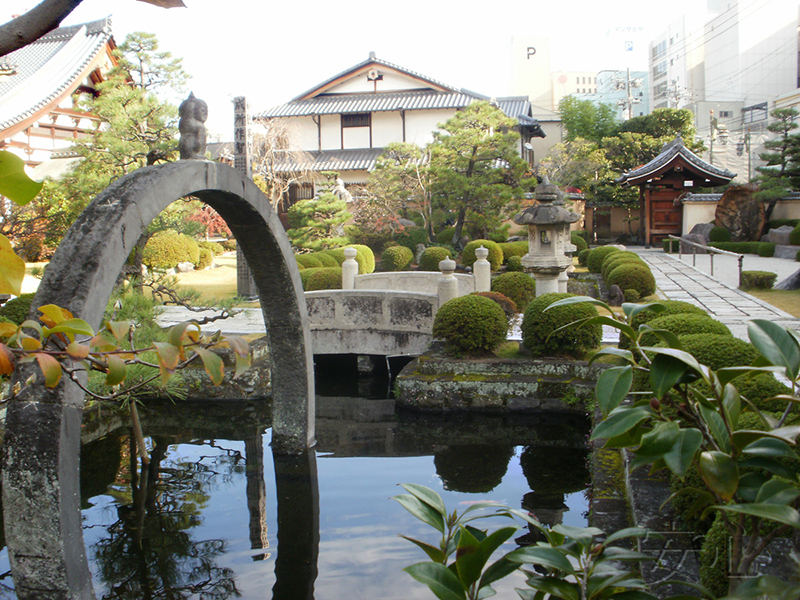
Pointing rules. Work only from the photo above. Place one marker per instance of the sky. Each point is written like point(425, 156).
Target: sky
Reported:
point(272, 51)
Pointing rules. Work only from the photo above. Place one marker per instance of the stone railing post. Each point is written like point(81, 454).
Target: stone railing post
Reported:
point(349, 269)
point(448, 284)
point(482, 270)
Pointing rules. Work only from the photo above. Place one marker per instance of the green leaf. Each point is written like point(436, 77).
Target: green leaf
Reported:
point(720, 473)
point(117, 370)
point(71, 327)
point(630, 532)
point(626, 355)
point(776, 345)
point(665, 372)
point(434, 553)
point(51, 369)
point(680, 456)
point(768, 446)
point(421, 510)
point(631, 310)
point(777, 491)
point(119, 329)
point(497, 571)
point(717, 427)
point(583, 535)
point(612, 387)
point(660, 440)
point(620, 421)
point(542, 555)
point(212, 364)
point(469, 558)
point(769, 464)
point(663, 334)
point(12, 268)
point(441, 581)
point(556, 587)
point(426, 495)
point(772, 512)
point(14, 183)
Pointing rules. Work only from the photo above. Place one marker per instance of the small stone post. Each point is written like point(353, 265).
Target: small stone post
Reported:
point(563, 280)
point(349, 269)
point(482, 270)
point(448, 284)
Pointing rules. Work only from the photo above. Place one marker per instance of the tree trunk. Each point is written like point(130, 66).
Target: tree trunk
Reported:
point(35, 23)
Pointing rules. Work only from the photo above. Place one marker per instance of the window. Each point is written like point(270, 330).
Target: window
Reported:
point(725, 114)
point(356, 120)
point(577, 80)
point(659, 49)
point(756, 112)
point(296, 191)
point(660, 70)
point(660, 91)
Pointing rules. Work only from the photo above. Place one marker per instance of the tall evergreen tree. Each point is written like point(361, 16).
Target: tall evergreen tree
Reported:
point(774, 178)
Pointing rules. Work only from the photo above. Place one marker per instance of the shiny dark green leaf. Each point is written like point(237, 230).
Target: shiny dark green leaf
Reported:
point(720, 473)
point(612, 387)
point(776, 345)
point(441, 581)
point(620, 421)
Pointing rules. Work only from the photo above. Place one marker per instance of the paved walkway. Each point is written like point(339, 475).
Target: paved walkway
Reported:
point(679, 280)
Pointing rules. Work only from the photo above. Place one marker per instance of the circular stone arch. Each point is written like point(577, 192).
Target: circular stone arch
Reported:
point(41, 496)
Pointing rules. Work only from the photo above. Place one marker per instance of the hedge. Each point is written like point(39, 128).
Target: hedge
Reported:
point(215, 247)
point(633, 276)
point(445, 236)
point(794, 236)
point(518, 286)
point(775, 223)
point(507, 304)
point(309, 261)
point(396, 258)
point(684, 324)
point(326, 278)
point(514, 249)
point(495, 257)
point(618, 257)
point(745, 247)
point(471, 324)
point(719, 351)
point(365, 258)
point(206, 258)
point(759, 280)
point(539, 327)
point(583, 256)
point(413, 236)
point(719, 234)
point(578, 241)
point(514, 264)
point(433, 255)
point(17, 309)
point(165, 249)
point(325, 259)
point(597, 255)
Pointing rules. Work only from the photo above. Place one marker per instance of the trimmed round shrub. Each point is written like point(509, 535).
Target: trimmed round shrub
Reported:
point(17, 309)
point(336, 253)
point(583, 257)
point(514, 264)
point(309, 261)
point(760, 280)
point(413, 236)
point(326, 278)
point(165, 249)
point(631, 295)
point(671, 307)
point(215, 247)
point(432, 256)
point(305, 275)
point(445, 236)
point(766, 249)
point(760, 389)
point(396, 258)
point(714, 558)
point(326, 260)
point(794, 236)
point(578, 241)
point(633, 276)
point(617, 258)
point(514, 249)
point(538, 327)
point(718, 351)
point(470, 325)
point(495, 257)
point(365, 258)
point(206, 258)
point(506, 303)
point(719, 234)
point(684, 324)
point(597, 255)
point(518, 286)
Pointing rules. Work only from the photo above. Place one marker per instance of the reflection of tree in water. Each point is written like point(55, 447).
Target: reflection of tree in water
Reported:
point(555, 470)
point(471, 468)
point(149, 552)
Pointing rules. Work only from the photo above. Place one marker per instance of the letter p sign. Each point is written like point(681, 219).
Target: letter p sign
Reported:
point(531, 51)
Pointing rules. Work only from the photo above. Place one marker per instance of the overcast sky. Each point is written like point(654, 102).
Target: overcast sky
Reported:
point(271, 51)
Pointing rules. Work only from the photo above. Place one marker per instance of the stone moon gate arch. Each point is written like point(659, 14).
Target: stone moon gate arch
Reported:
point(43, 427)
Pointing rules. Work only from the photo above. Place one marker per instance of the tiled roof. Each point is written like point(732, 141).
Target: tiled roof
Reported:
point(668, 154)
point(335, 160)
point(48, 67)
point(700, 197)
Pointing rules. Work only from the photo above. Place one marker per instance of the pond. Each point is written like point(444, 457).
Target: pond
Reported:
point(217, 516)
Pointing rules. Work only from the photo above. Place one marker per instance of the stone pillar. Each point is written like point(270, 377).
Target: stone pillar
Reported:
point(482, 270)
point(563, 278)
point(349, 269)
point(448, 284)
point(546, 283)
point(245, 284)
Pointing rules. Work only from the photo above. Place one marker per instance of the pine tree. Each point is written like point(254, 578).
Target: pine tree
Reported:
point(774, 179)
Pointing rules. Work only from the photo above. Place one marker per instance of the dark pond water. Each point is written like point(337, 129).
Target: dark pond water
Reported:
point(217, 516)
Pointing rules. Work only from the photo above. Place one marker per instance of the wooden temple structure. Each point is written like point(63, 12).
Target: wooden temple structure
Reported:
point(661, 183)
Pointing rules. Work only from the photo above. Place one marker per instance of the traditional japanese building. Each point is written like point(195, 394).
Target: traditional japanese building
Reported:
point(661, 183)
point(39, 89)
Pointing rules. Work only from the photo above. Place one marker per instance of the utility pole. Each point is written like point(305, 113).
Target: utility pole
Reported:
point(627, 84)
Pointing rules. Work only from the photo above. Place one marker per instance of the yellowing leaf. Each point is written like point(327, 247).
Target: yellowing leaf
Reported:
point(71, 327)
point(12, 269)
point(117, 370)
point(168, 357)
point(213, 365)
point(102, 342)
point(119, 329)
point(242, 364)
point(6, 360)
point(51, 369)
point(238, 345)
point(14, 183)
point(28, 343)
point(52, 315)
point(7, 330)
point(77, 351)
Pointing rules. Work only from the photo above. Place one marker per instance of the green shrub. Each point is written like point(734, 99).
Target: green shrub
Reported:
point(326, 278)
point(615, 259)
point(471, 324)
point(507, 304)
point(215, 247)
point(538, 327)
point(631, 295)
point(305, 275)
point(432, 256)
point(165, 249)
point(413, 236)
point(670, 246)
point(495, 257)
point(325, 259)
point(633, 276)
point(719, 234)
point(577, 240)
point(766, 249)
point(596, 257)
point(760, 248)
point(336, 253)
point(671, 307)
point(396, 258)
point(518, 286)
point(585, 235)
point(205, 259)
point(760, 280)
point(714, 558)
point(583, 256)
point(229, 244)
point(684, 324)
point(500, 235)
point(775, 223)
point(514, 264)
point(445, 236)
point(760, 389)
point(365, 258)
point(794, 236)
point(514, 249)
point(368, 237)
point(718, 351)
point(17, 309)
point(308, 261)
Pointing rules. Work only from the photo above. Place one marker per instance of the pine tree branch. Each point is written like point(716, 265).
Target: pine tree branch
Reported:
point(35, 23)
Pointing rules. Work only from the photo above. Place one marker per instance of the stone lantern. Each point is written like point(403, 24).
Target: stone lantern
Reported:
point(548, 239)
